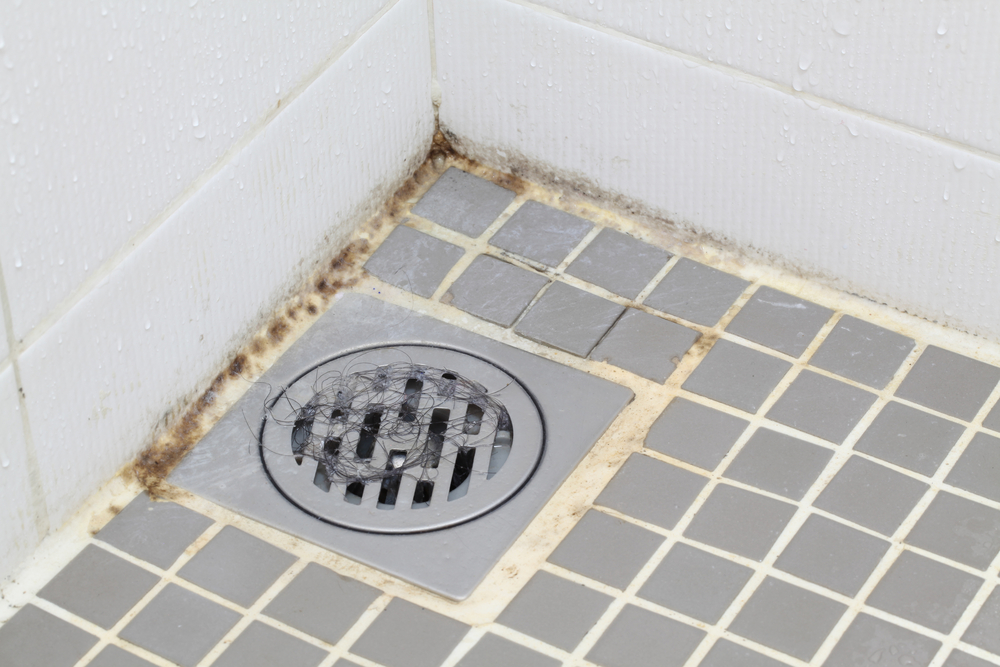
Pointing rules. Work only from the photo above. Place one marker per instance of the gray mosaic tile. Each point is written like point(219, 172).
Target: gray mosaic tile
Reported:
point(180, 626)
point(787, 618)
point(869, 640)
point(863, 352)
point(984, 631)
point(645, 345)
point(413, 261)
point(619, 263)
point(112, 656)
point(405, 635)
point(156, 532)
point(695, 582)
point(821, 406)
point(740, 521)
point(344, 662)
point(832, 555)
point(541, 233)
point(959, 529)
point(737, 376)
point(962, 659)
point(260, 645)
point(779, 463)
point(493, 290)
point(569, 319)
point(725, 653)
point(322, 603)
point(696, 292)
point(950, 383)
point(557, 611)
point(495, 651)
point(463, 202)
point(910, 438)
point(652, 491)
point(694, 433)
point(779, 321)
point(992, 419)
point(99, 586)
point(640, 638)
point(871, 495)
point(925, 591)
point(237, 566)
point(978, 468)
point(606, 549)
point(36, 638)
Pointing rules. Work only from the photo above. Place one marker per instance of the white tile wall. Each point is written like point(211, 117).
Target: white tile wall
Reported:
point(871, 208)
point(110, 111)
point(17, 523)
point(931, 64)
point(98, 381)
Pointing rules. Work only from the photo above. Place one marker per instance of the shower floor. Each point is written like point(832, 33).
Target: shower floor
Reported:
point(802, 478)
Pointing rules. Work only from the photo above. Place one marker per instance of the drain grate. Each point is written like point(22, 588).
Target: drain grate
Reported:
point(402, 439)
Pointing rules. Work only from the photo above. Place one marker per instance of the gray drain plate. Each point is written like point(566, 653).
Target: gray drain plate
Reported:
point(453, 551)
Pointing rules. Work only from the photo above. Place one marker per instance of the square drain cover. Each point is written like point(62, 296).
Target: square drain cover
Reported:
point(403, 442)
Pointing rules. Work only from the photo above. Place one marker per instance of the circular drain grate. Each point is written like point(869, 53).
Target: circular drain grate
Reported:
point(402, 439)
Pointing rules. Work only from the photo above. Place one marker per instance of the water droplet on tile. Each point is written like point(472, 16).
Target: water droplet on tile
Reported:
point(18, 263)
point(961, 161)
point(942, 28)
point(805, 60)
point(148, 325)
point(842, 27)
point(4, 461)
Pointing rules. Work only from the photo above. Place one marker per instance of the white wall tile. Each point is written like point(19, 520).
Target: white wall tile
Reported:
point(17, 523)
point(871, 209)
point(112, 110)
point(100, 379)
point(4, 344)
point(931, 65)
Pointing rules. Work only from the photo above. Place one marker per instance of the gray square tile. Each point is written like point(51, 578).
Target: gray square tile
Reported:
point(619, 263)
point(696, 583)
point(640, 638)
point(910, 438)
point(832, 555)
point(779, 321)
point(493, 290)
point(112, 656)
point(925, 591)
point(949, 383)
point(863, 352)
point(779, 463)
point(541, 233)
point(978, 468)
point(740, 521)
point(413, 261)
point(344, 662)
point(725, 653)
point(555, 610)
point(959, 529)
point(180, 626)
point(156, 532)
point(99, 586)
point(871, 495)
point(821, 406)
point(652, 491)
point(869, 640)
point(405, 635)
point(696, 292)
point(737, 376)
point(569, 319)
point(495, 651)
point(322, 603)
point(237, 566)
point(645, 345)
point(463, 202)
point(36, 638)
point(992, 419)
point(694, 433)
point(962, 659)
point(984, 631)
point(787, 618)
point(260, 645)
point(606, 549)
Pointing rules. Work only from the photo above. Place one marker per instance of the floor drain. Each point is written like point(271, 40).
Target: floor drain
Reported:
point(402, 439)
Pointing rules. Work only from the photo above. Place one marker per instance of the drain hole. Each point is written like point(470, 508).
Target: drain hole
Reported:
point(366, 443)
point(321, 479)
point(422, 494)
point(460, 475)
point(435, 436)
point(300, 437)
point(501, 447)
point(354, 492)
point(473, 419)
point(390, 484)
point(408, 412)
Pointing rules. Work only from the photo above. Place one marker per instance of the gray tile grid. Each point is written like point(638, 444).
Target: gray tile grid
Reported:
point(156, 532)
point(414, 261)
point(641, 638)
point(779, 321)
point(962, 659)
point(984, 631)
point(541, 233)
point(959, 529)
point(36, 638)
point(740, 521)
point(463, 202)
point(494, 290)
point(495, 651)
point(260, 645)
point(645, 344)
point(737, 376)
point(405, 635)
point(978, 468)
point(862, 352)
point(696, 292)
point(949, 383)
point(871, 640)
point(694, 433)
point(992, 419)
point(619, 263)
point(113, 656)
point(725, 653)
point(821, 406)
point(569, 319)
point(778, 463)
point(652, 491)
point(910, 438)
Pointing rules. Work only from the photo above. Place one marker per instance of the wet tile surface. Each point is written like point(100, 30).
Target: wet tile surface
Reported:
point(652, 491)
point(959, 529)
point(779, 463)
point(619, 263)
point(569, 319)
point(695, 583)
point(910, 438)
point(862, 352)
point(740, 521)
point(949, 383)
point(871, 495)
point(261, 645)
point(984, 631)
point(821, 406)
point(694, 433)
point(463, 202)
point(156, 532)
point(36, 638)
point(640, 638)
point(696, 292)
point(541, 233)
point(645, 345)
point(978, 469)
point(871, 640)
point(404, 635)
point(737, 376)
point(725, 653)
point(112, 656)
point(495, 291)
point(779, 321)
point(413, 261)
point(606, 549)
